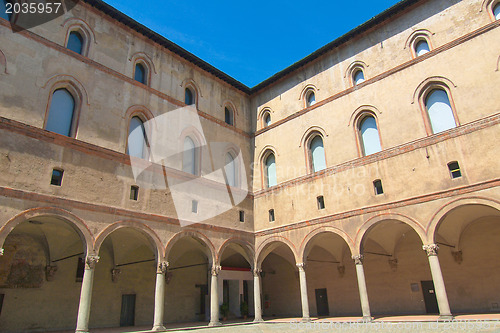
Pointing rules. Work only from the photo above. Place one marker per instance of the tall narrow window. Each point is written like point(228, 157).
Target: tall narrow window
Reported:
point(75, 42)
point(370, 138)
point(439, 111)
point(230, 169)
point(188, 97)
point(137, 141)
point(421, 48)
point(267, 119)
point(61, 112)
point(228, 116)
point(3, 10)
point(140, 73)
point(317, 152)
point(270, 171)
point(134, 192)
point(358, 77)
point(311, 98)
point(271, 215)
point(496, 11)
point(189, 156)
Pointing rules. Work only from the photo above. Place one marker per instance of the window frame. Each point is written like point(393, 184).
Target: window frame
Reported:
point(424, 93)
point(60, 180)
point(77, 98)
point(352, 69)
point(309, 153)
point(451, 172)
point(143, 118)
point(355, 71)
point(359, 139)
point(193, 96)
point(265, 178)
point(376, 188)
point(489, 7)
point(416, 37)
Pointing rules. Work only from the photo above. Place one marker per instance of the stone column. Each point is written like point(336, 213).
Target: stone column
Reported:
point(303, 292)
point(437, 278)
point(160, 296)
point(257, 295)
point(214, 297)
point(82, 324)
point(363, 293)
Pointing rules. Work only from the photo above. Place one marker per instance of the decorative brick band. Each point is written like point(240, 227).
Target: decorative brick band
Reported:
point(377, 208)
point(387, 153)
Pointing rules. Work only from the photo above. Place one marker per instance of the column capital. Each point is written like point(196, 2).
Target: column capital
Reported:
point(301, 266)
point(162, 267)
point(215, 270)
point(358, 259)
point(431, 249)
point(90, 261)
point(256, 272)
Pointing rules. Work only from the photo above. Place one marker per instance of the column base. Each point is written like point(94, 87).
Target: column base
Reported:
point(214, 323)
point(158, 328)
point(258, 320)
point(81, 331)
point(367, 319)
point(306, 319)
point(446, 317)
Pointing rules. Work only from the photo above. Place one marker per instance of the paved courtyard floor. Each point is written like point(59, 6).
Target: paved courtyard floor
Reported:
point(423, 323)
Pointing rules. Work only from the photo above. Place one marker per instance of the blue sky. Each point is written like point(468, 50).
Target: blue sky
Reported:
point(251, 40)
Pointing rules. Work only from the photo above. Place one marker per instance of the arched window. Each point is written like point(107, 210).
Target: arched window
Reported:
point(137, 141)
point(496, 11)
point(267, 119)
point(228, 116)
point(188, 97)
point(230, 169)
point(61, 113)
point(370, 138)
point(439, 111)
point(317, 154)
point(358, 77)
point(270, 171)
point(189, 160)
point(421, 48)
point(140, 73)
point(310, 98)
point(3, 9)
point(75, 42)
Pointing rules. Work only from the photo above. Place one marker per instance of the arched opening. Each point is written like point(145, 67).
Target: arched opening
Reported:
point(358, 76)
point(280, 281)
point(188, 281)
point(75, 42)
point(40, 275)
point(421, 47)
point(229, 116)
point(369, 135)
point(332, 283)
point(317, 154)
point(124, 280)
point(137, 139)
point(267, 119)
point(270, 170)
point(310, 98)
point(237, 281)
point(61, 113)
point(140, 73)
point(231, 170)
point(496, 11)
point(439, 111)
point(398, 276)
point(189, 96)
point(190, 157)
point(468, 247)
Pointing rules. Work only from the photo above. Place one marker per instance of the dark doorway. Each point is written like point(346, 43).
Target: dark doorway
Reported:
point(127, 316)
point(431, 305)
point(203, 295)
point(322, 302)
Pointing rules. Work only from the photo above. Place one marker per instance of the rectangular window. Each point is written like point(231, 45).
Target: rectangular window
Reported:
point(80, 269)
point(377, 185)
point(321, 202)
point(134, 192)
point(242, 216)
point(454, 170)
point(271, 215)
point(57, 176)
point(194, 206)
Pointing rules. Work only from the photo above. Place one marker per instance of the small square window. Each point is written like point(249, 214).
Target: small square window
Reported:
point(271, 215)
point(57, 176)
point(194, 206)
point(321, 202)
point(242, 216)
point(134, 192)
point(377, 185)
point(454, 170)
